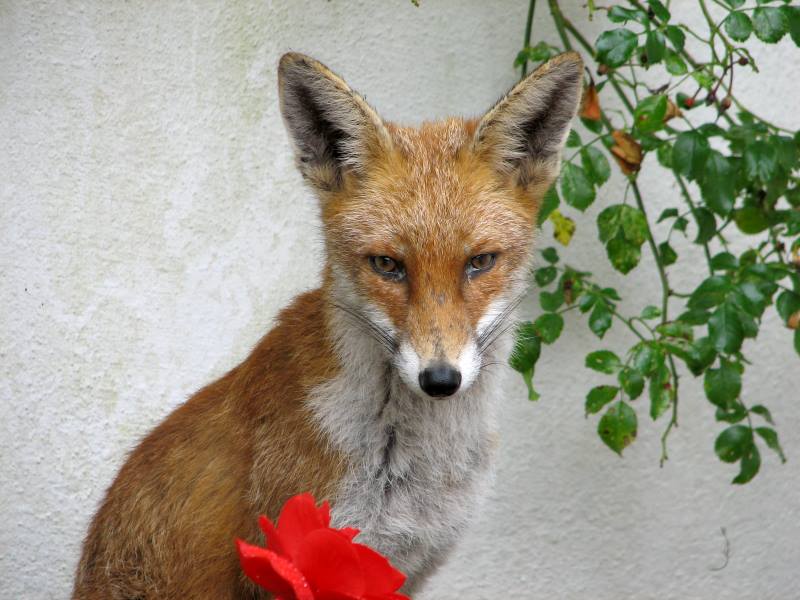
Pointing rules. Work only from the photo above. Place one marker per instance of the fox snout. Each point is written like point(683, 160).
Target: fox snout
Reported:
point(440, 379)
point(441, 374)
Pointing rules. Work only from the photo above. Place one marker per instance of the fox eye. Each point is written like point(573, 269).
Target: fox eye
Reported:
point(387, 267)
point(481, 263)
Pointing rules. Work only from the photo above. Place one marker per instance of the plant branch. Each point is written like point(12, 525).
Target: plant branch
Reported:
point(528, 29)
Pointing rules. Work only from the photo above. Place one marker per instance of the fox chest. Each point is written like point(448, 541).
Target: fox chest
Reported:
point(417, 470)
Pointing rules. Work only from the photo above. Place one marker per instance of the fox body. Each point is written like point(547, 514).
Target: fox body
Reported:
point(372, 391)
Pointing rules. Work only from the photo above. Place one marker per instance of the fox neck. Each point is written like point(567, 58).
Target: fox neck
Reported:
point(410, 457)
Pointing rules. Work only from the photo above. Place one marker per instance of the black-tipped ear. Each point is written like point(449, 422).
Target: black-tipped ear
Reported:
point(333, 129)
point(523, 134)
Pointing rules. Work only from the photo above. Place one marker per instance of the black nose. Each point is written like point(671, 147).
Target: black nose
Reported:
point(440, 380)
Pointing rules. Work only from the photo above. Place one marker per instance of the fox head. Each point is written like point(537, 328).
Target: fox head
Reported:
point(429, 230)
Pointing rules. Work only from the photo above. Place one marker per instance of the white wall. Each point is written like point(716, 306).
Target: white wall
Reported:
point(152, 224)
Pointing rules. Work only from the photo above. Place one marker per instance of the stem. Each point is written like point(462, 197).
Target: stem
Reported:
point(688, 198)
point(528, 28)
point(560, 21)
point(656, 255)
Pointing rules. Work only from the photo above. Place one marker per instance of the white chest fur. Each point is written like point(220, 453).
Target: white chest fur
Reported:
point(418, 466)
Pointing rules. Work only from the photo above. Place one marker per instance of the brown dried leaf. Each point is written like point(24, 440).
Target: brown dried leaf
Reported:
point(627, 152)
point(672, 111)
point(590, 107)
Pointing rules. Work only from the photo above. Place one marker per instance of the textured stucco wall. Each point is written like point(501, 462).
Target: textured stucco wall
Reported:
point(152, 224)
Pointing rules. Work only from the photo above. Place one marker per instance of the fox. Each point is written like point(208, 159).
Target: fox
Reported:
point(372, 391)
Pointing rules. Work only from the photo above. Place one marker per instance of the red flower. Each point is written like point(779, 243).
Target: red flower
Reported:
point(307, 559)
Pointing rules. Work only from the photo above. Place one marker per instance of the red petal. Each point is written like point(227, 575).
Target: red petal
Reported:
point(271, 534)
point(273, 572)
point(330, 563)
point(298, 518)
point(325, 513)
point(349, 532)
point(380, 576)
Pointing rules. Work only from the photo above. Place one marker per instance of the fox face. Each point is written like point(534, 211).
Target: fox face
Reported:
point(429, 230)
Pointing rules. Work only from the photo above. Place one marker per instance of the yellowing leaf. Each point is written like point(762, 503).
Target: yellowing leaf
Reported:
point(563, 227)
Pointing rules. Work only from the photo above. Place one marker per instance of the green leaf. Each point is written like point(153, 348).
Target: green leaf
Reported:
point(598, 397)
point(750, 220)
point(675, 64)
point(760, 161)
point(600, 319)
point(725, 329)
point(619, 14)
point(703, 355)
point(632, 382)
point(573, 139)
point(690, 153)
point(655, 45)
point(724, 261)
point(797, 340)
point(792, 14)
point(634, 224)
point(615, 47)
point(650, 312)
point(576, 188)
point(617, 428)
point(550, 255)
point(734, 3)
point(667, 213)
point(545, 276)
point(723, 385)
point(769, 23)
point(704, 79)
point(550, 202)
point(676, 329)
point(527, 348)
point(548, 327)
point(551, 301)
point(650, 112)
point(717, 183)
point(676, 36)
point(623, 255)
point(710, 292)
point(733, 443)
point(751, 461)
point(763, 412)
point(609, 222)
point(731, 414)
point(770, 437)
point(603, 361)
point(659, 10)
point(660, 393)
point(787, 304)
point(706, 224)
point(538, 53)
point(646, 357)
point(695, 316)
point(667, 253)
point(738, 26)
point(596, 165)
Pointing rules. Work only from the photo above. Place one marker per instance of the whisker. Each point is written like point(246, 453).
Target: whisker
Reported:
point(378, 333)
point(488, 337)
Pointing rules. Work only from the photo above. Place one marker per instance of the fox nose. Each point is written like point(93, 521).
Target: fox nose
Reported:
point(439, 380)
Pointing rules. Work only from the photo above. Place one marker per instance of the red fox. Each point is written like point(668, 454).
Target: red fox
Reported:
point(371, 391)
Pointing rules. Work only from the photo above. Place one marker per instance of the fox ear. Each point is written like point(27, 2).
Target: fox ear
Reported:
point(333, 129)
point(523, 134)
